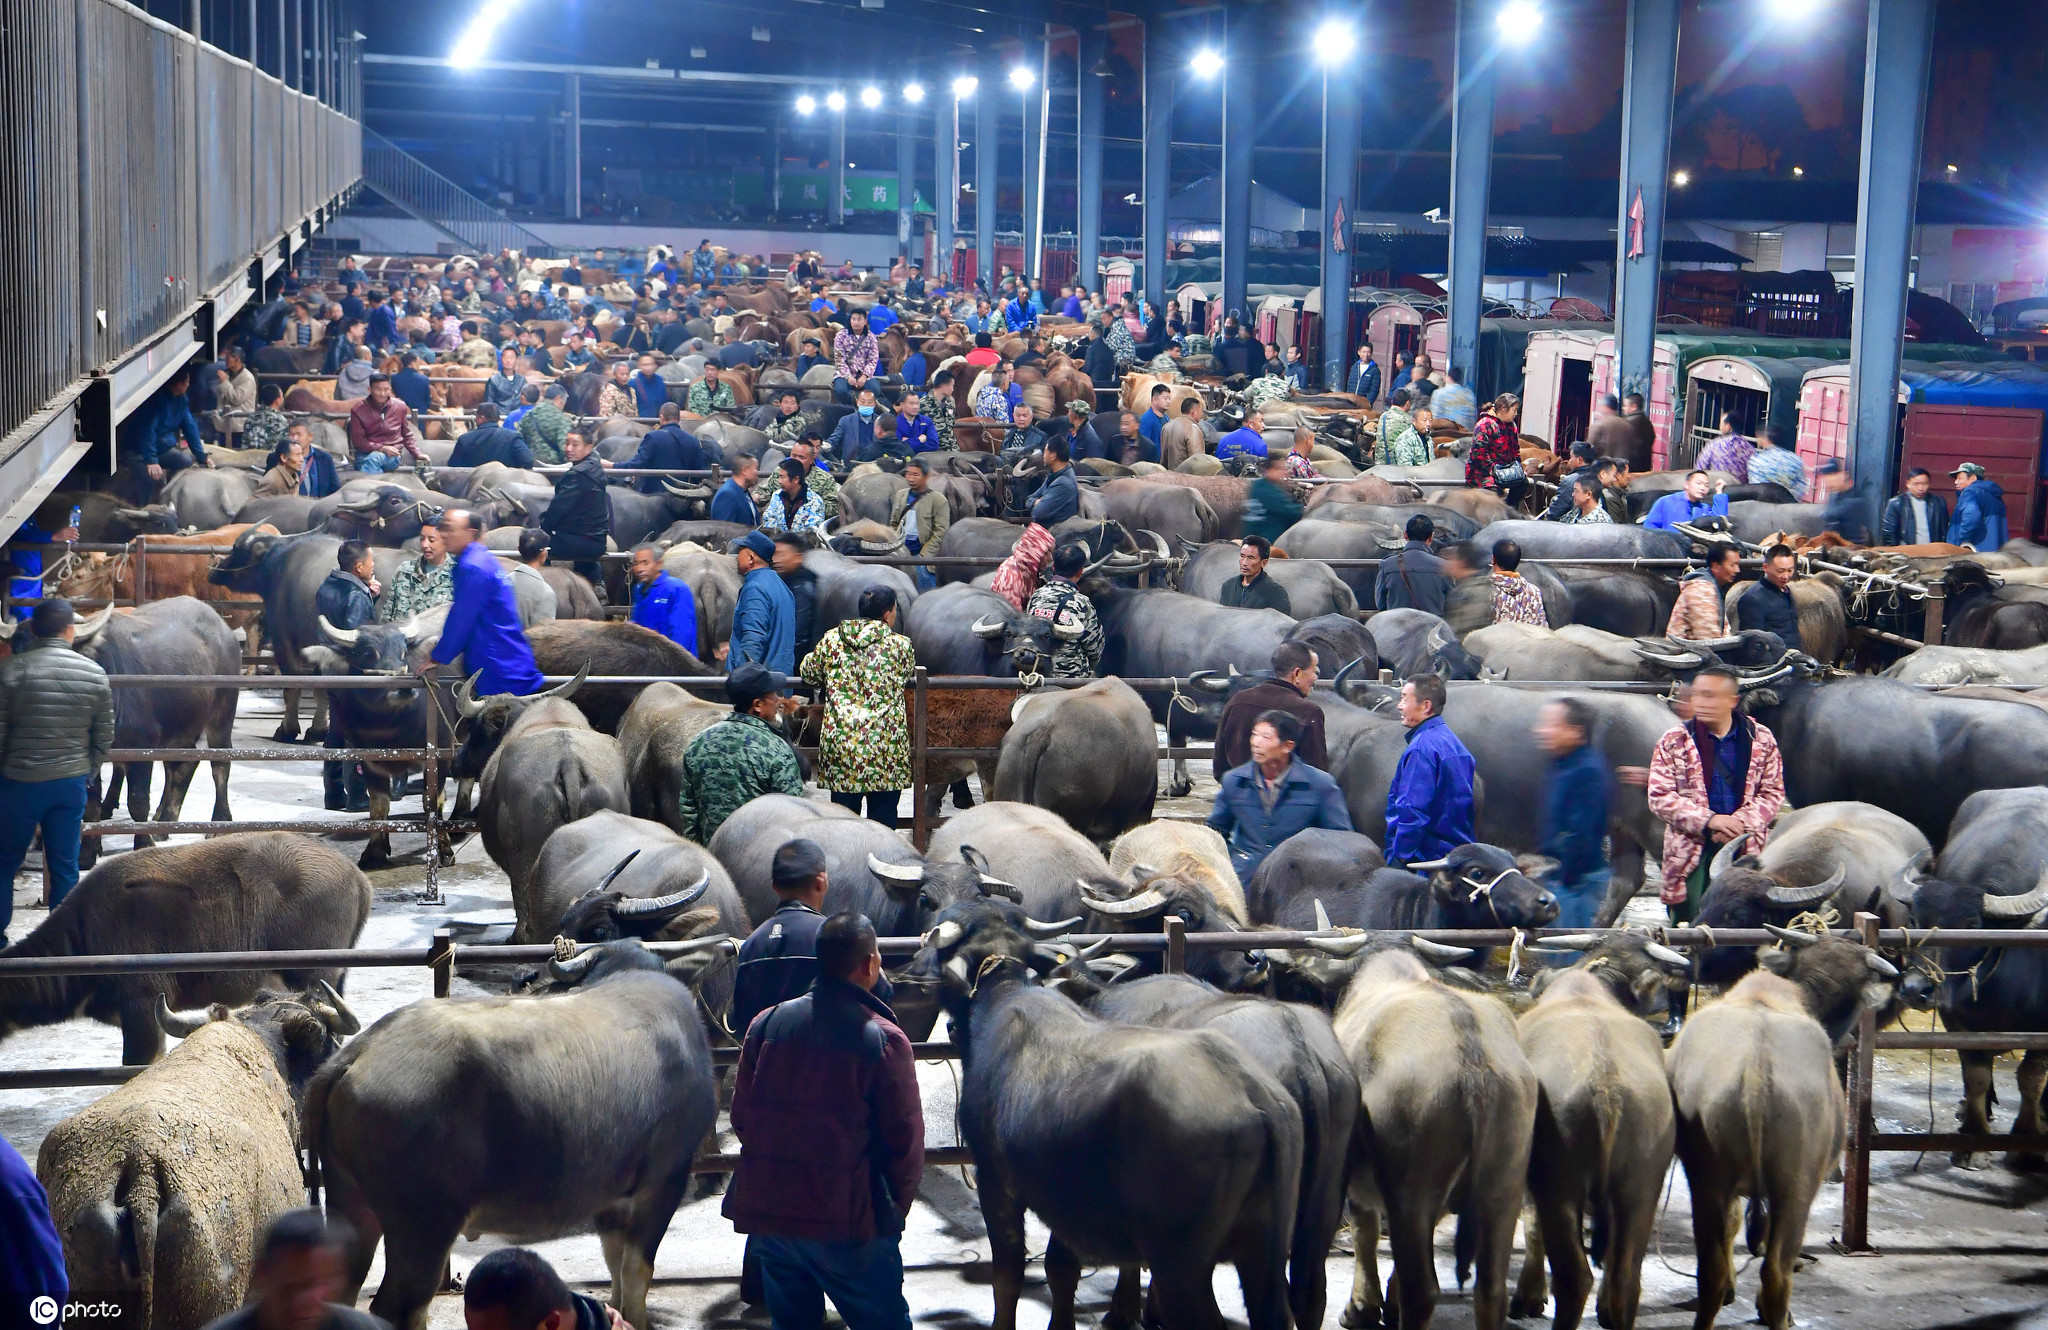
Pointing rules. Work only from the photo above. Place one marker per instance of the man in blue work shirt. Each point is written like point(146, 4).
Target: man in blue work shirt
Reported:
point(764, 616)
point(1273, 796)
point(1154, 420)
point(650, 390)
point(410, 386)
point(662, 602)
point(1364, 380)
point(154, 431)
point(383, 323)
point(914, 429)
point(914, 369)
point(1018, 314)
point(1689, 504)
point(880, 317)
point(483, 622)
point(1429, 808)
point(1246, 440)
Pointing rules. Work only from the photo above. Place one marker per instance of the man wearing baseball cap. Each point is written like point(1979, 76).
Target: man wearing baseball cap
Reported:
point(740, 757)
point(1979, 520)
point(764, 618)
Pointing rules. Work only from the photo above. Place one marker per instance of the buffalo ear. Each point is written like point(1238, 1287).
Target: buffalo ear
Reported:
point(325, 660)
point(1775, 959)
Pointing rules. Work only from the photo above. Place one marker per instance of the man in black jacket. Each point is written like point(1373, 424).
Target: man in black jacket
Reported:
point(667, 447)
point(1768, 606)
point(788, 563)
point(513, 1288)
point(348, 600)
point(1100, 362)
point(1585, 466)
point(580, 517)
point(1913, 516)
point(1414, 578)
point(1254, 588)
point(490, 442)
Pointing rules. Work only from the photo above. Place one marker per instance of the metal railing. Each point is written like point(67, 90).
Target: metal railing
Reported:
point(444, 957)
point(433, 198)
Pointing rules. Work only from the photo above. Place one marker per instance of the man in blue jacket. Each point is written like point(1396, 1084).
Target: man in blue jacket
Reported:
point(1060, 496)
point(1364, 380)
point(1979, 520)
point(669, 447)
point(1271, 797)
point(650, 390)
point(1689, 504)
point(1429, 808)
point(490, 442)
point(154, 431)
point(31, 1256)
point(1575, 795)
point(1017, 314)
point(383, 329)
point(764, 617)
point(854, 436)
point(483, 623)
point(662, 603)
point(733, 503)
point(412, 387)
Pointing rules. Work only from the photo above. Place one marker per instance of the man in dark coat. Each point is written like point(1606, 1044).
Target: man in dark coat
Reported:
point(348, 600)
point(490, 442)
point(1254, 588)
point(1768, 606)
point(788, 563)
point(1294, 674)
point(1413, 578)
point(667, 447)
point(579, 519)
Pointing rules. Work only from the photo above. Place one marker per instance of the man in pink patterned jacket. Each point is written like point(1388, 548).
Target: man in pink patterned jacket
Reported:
point(1712, 779)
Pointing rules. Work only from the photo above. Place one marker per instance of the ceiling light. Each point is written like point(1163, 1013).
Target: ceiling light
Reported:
point(475, 40)
point(806, 104)
point(1207, 64)
point(1518, 20)
point(1798, 170)
point(1681, 178)
point(760, 34)
point(871, 97)
point(698, 53)
point(964, 86)
point(1335, 40)
point(913, 93)
point(1020, 77)
point(835, 100)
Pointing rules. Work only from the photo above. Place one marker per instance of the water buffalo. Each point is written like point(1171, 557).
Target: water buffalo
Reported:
point(1450, 524)
point(961, 629)
point(1412, 642)
point(1226, 496)
point(1619, 600)
point(571, 646)
point(474, 1115)
point(1972, 665)
point(248, 891)
point(841, 581)
point(1177, 512)
point(654, 734)
point(1755, 521)
point(637, 517)
point(1312, 587)
point(1520, 651)
point(1553, 540)
point(550, 769)
point(714, 582)
point(162, 1190)
point(1982, 613)
point(1045, 1085)
point(1475, 886)
point(1760, 1114)
point(209, 497)
point(1930, 752)
point(1604, 1138)
point(176, 636)
point(1040, 852)
point(1823, 618)
point(1183, 871)
point(1313, 540)
point(1445, 1132)
point(1299, 1048)
point(1089, 754)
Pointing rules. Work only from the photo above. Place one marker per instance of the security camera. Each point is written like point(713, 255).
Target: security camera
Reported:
point(1434, 215)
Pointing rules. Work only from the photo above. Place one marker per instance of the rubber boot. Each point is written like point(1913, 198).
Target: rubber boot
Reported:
point(336, 789)
point(358, 794)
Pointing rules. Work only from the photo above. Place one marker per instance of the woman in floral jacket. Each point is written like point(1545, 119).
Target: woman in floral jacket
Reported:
point(862, 665)
point(1497, 442)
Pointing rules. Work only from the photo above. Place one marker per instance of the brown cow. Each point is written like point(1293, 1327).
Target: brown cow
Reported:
point(168, 574)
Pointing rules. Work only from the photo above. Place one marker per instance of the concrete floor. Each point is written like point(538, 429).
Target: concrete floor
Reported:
point(1958, 1248)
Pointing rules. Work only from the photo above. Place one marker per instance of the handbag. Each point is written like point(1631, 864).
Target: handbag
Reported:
point(1509, 474)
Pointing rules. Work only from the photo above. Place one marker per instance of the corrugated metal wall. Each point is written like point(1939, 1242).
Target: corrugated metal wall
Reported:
point(143, 170)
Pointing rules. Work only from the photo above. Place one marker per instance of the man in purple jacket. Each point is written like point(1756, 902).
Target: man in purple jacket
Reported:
point(832, 1134)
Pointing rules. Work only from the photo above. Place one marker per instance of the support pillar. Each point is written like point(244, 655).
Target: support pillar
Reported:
point(1471, 179)
point(835, 207)
point(1158, 169)
point(1895, 76)
point(945, 183)
point(987, 136)
point(775, 167)
point(1341, 114)
point(1034, 100)
point(1093, 45)
point(1240, 113)
point(1647, 88)
point(906, 180)
point(572, 147)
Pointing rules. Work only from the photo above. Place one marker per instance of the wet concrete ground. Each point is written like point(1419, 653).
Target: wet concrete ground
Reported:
point(1957, 1248)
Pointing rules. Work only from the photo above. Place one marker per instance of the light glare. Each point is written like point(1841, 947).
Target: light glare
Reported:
point(476, 38)
point(871, 97)
point(1207, 64)
point(964, 86)
point(835, 100)
point(1020, 77)
point(1335, 41)
point(806, 104)
point(1681, 178)
point(913, 93)
point(1519, 20)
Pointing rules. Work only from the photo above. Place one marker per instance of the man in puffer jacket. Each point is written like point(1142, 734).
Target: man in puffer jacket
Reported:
point(56, 727)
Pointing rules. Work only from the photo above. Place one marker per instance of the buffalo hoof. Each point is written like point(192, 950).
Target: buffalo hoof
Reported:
point(144, 842)
point(1969, 1161)
point(286, 734)
point(1358, 1317)
point(1179, 789)
point(372, 860)
point(1606, 1321)
point(1522, 1308)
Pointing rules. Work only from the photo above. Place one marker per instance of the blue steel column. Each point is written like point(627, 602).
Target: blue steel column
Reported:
point(835, 207)
point(987, 94)
point(1652, 69)
point(1895, 65)
point(1158, 169)
point(1094, 44)
point(1033, 99)
point(1240, 112)
point(945, 185)
point(1471, 179)
point(1341, 111)
point(906, 180)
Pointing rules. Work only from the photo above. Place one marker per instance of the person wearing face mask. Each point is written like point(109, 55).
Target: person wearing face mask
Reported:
point(854, 435)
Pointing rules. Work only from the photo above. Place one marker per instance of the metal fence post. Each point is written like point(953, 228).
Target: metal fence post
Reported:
point(430, 797)
point(1930, 633)
point(139, 562)
point(441, 956)
point(1176, 961)
point(1862, 1069)
point(920, 829)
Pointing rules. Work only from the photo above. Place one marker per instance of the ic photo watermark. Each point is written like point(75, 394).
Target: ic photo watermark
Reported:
point(40, 1311)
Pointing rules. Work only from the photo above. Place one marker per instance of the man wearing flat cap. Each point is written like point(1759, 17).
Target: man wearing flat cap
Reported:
point(740, 756)
point(764, 617)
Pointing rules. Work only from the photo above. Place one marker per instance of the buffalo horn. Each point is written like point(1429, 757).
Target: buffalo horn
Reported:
point(465, 696)
point(1429, 867)
point(1716, 644)
point(1664, 955)
point(1207, 681)
point(342, 636)
point(612, 876)
point(1165, 550)
point(685, 491)
point(945, 935)
point(572, 970)
point(709, 942)
point(1724, 858)
point(1792, 937)
point(1882, 966)
point(1323, 924)
point(1040, 929)
point(90, 625)
point(180, 1024)
point(907, 874)
point(1386, 544)
point(2017, 907)
point(1749, 681)
point(1341, 946)
point(1571, 941)
point(1343, 680)
point(1437, 951)
point(1810, 895)
point(1911, 872)
point(673, 903)
point(334, 1011)
point(567, 690)
point(1131, 907)
point(986, 628)
point(1690, 660)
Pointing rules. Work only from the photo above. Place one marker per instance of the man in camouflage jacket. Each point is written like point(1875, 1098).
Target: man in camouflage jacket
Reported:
point(738, 758)
point(1076, 629)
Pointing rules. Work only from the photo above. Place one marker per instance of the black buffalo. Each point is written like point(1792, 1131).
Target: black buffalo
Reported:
point(382, 718)
point(1983, 613)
